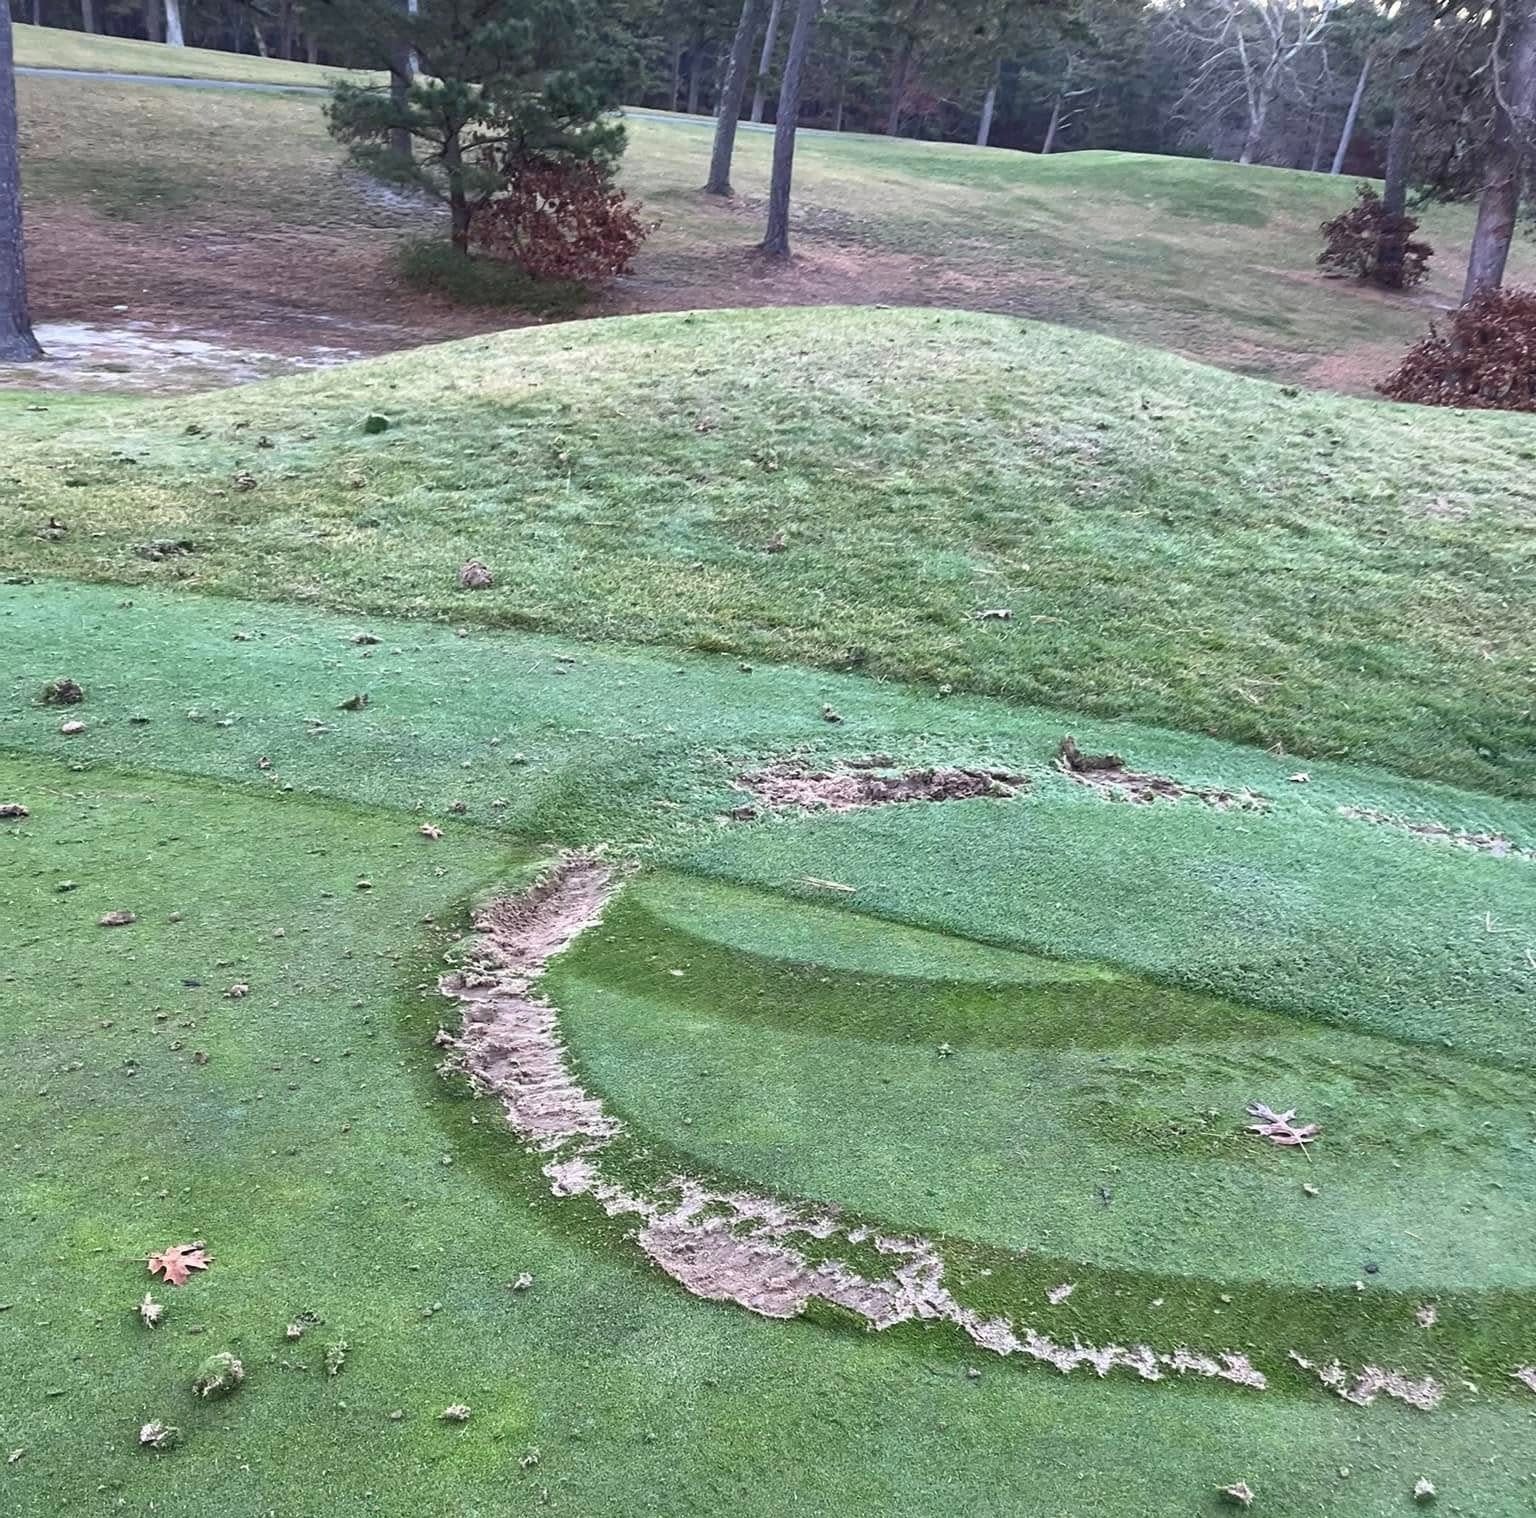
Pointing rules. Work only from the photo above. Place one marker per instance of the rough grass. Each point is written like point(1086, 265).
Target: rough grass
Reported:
point(1214, 261)
point(1177, 546)
point(309, 1151)
point(47, 47)
point(431, 265)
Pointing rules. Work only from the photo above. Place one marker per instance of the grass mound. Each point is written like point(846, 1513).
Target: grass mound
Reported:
point(1175, 545)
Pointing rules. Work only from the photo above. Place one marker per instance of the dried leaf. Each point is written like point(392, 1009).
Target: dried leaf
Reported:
point(13, 809)
point(473, 575)
point(178, 1261)
point(430, 830)
point(353, 703)
point(457, 1412)
point(994, 614)
point(1424, 1490)
point(1239, 1494)
point(116, 919)
point(238, 991)
point(1059, 1294)
point(218, 1376)
point(150, 1311)
point(1279, 1127)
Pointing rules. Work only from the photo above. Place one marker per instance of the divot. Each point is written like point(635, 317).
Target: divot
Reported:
point(1437, 832)
point(852, 785)
point(1107, 774)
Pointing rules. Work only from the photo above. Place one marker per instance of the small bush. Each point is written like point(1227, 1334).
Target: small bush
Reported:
point(562, 221)
point(1486, 358)
point(438, 268)
point(1353, 243)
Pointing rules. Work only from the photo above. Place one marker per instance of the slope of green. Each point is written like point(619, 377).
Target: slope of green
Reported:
point(49, 47)
point(1175, 545)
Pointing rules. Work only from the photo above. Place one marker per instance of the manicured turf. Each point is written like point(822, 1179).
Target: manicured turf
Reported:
point(351, 1183)
point(49, 47)
point(1175, 545)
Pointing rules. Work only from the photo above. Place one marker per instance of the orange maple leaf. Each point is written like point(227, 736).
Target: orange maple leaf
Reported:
point(177, 1262)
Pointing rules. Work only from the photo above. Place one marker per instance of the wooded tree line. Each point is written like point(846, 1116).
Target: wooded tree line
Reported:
point(1440, 98)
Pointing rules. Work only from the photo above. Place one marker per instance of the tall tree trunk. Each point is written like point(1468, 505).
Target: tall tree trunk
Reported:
point(1514, 122)
point(776, 239)
point(37, 12)
point(399, 88)
point(842, 88)
point(311, 48)
point(988, 105)
point(1351, 118)
point(458, 201)
point(154, 21)
point(731, 92)
point(16, 340)
point(677, 72)
point(1394, 199)
point(261, 41)
point(88, 15)
point(901, 71)
point(695, 69)
point(1054, 124)
point(1319, 121)
point(174, 36)
point(765, 60)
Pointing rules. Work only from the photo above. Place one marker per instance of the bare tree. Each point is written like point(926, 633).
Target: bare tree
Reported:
point(1243, 54)
point(174, 36)
point(16, 339)
point(776, 238)
point(1351, 116)
point(989, 105)
point(765, 61)
point(1513, 79)
point(735, 86)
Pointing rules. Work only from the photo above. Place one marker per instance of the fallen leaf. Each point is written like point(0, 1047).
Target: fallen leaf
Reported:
point(1279, 1128)
point(71, 729)
point(13, 809)
point(15, 1455)
point(473, 575)
point(150, 1311)
point(523, 1282)
point(830, 713)
point(116, 919)
point(429, 830)
point(994, 614)
point(1059, 1294)
point(1239, 1494)
point(1424, 1490)
point(237, 991)
point(456, 1412)
point(178, 1261)
point(1301, 777)
point(353, 703)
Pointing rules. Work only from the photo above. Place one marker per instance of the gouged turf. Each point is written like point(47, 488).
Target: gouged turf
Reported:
point(1176, 545)
point(323, 1186)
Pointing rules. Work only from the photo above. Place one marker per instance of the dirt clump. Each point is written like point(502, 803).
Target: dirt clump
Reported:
point(62, 692)
point(1107, 774)
point(853, 784)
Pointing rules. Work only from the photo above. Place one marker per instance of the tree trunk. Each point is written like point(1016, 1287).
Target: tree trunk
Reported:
point(988, 105)
point(1054, 125)
point(901, 71)
point(1514, 120)
point(88, 15)
point(695, 69)
point(261, 41)
point(731, 92)
point(1351, 117)
point(677, 72)
point(16, 340)
point(765, 59)
point(842, 89)
point(37, 12)
point(174, 36)
point(458, 201)
point(776, 239)
point(154, 21)
point(311, 48)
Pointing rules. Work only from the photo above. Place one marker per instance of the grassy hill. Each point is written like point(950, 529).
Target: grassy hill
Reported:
point(1324, 575)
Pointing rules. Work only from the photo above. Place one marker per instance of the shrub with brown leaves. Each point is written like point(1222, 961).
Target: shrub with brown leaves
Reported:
point(1485, 357)
point(562, 221)
point(1356, 239)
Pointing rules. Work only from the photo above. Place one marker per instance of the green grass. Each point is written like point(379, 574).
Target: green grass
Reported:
point(47, 47)
point(1177, 546)
point(1213, 261)
point(310, 1149)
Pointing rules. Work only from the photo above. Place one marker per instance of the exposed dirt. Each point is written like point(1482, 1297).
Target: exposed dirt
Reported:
point(733, 1246)
point(1437, 832)
point(1107, 774)
point(1363, 1386)
point(876, 781)
point(110, 294)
